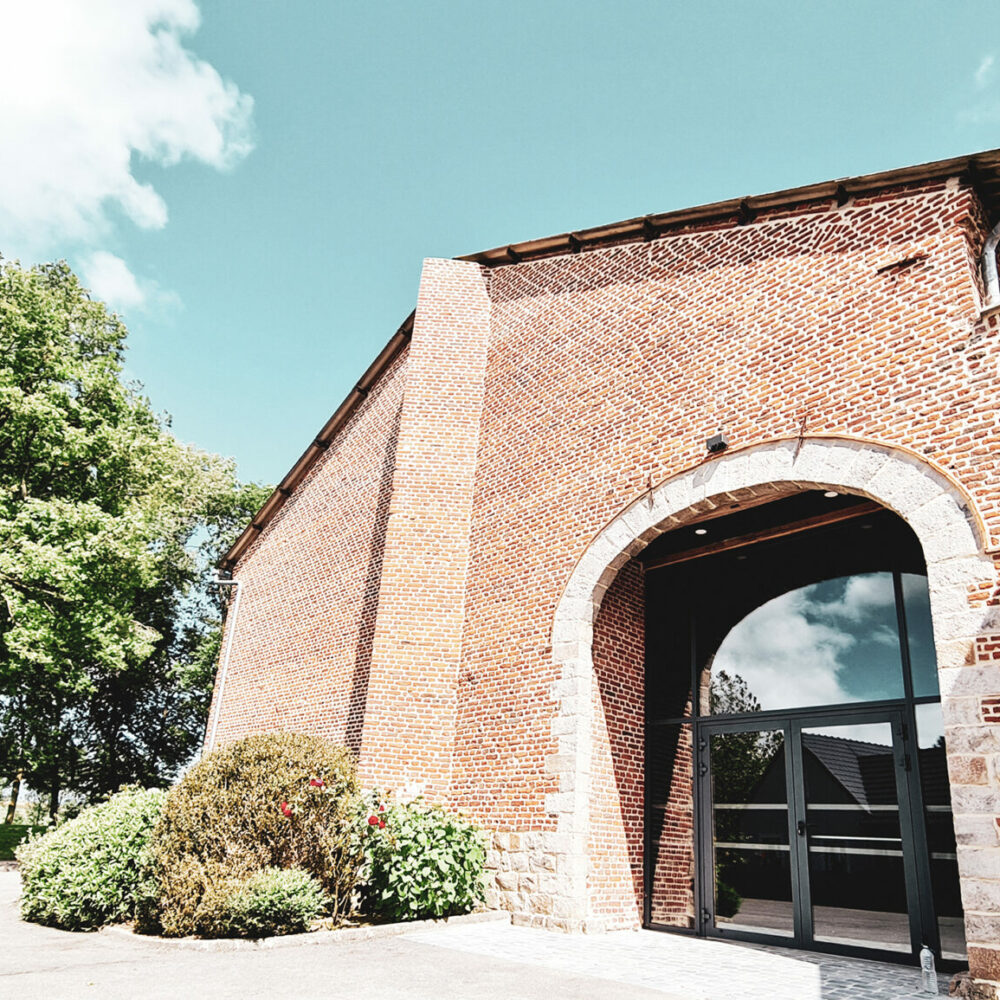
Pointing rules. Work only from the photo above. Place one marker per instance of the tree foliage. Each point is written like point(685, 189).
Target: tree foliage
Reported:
point(739, 759)
point(107, 524)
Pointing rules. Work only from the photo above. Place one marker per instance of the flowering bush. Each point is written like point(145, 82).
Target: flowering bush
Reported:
point(94, 869)
point(280, 800)
point(420, 861)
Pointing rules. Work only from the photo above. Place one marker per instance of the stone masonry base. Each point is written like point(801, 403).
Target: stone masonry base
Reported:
point(533, 875)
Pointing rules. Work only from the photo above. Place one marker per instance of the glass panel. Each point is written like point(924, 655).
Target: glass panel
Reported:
point(828, 643)
point(855, 848)
point(750, 849)
point(920, 635)
point(940, 830)
point(668, 648)
point(670, 767)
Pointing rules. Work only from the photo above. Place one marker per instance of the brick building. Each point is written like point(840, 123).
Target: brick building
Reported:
point(668, 551)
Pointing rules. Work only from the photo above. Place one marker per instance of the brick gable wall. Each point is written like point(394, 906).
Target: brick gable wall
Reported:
point(303, 644)
point(607, 371)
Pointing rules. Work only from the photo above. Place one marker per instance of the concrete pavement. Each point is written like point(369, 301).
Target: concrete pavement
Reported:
point(40, 963)
point(484, 961)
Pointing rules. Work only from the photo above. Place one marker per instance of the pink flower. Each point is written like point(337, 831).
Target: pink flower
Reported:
point(286, 809)
point(316, 782)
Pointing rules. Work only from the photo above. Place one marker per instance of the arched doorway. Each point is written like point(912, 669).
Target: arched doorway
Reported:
point(951, 538)
point(794, 735)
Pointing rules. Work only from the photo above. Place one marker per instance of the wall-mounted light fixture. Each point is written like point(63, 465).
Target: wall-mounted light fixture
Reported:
point(717, 442)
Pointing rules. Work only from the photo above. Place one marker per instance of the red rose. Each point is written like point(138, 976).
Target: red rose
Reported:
point(286, 808)
point(381, 809)
point(381, 824)
point(372, 820)
point(316, 782)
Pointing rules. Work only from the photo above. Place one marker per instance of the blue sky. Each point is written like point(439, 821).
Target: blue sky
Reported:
point(256, 192)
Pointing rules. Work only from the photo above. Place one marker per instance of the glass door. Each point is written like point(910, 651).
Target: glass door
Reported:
point(857, 882)
point(807, 836)
point(748, 866)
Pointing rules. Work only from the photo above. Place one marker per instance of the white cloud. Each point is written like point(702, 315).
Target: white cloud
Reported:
point(89, 89)
point(862, 594)
point(986, 107)
point(984, 72)
point(785, 658)
point(795, 649)
point(110, 279)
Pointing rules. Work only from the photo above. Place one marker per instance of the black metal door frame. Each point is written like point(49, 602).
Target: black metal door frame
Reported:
point(922, 920)
point(704, 827)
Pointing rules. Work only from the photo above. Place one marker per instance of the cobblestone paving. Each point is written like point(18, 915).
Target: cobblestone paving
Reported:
point(692, 968)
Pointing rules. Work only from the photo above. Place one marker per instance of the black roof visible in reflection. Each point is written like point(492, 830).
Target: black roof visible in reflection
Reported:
point(867, 770)
point(864, 769)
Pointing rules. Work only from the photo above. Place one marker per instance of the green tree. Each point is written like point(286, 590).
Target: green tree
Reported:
point(106, 526)
point(739, 760)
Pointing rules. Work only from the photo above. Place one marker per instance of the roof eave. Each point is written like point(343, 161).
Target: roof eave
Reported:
point(982, 169)
point(319, 444)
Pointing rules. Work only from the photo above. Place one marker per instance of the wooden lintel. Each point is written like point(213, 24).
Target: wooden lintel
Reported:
point(865, 509)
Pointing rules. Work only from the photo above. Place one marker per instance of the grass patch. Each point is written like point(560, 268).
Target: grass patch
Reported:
point(11, 834)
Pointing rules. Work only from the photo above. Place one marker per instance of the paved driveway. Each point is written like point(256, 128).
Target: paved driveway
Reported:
point(478, 961)
point(40, 963)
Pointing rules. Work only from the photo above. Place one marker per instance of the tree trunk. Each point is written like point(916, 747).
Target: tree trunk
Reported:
point(15, 790)
point(54, 801)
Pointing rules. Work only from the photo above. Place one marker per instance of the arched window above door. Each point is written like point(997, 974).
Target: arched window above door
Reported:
point(838, 641)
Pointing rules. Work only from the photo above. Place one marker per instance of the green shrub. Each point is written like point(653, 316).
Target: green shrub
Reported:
point(424, 862)
point(272, 901)
point(280, 800)
point(94, 869)
point(727, 900)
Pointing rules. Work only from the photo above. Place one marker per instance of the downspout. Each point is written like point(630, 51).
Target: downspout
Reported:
point(224, 666)
point(991, 280)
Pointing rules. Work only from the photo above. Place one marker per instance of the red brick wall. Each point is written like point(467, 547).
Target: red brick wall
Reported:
point(616, 815)
point(302, 649)
point(608, 370)
point(671, 895)
point(410, 715)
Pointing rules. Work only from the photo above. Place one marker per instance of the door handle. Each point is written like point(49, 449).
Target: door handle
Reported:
point(800, 827)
